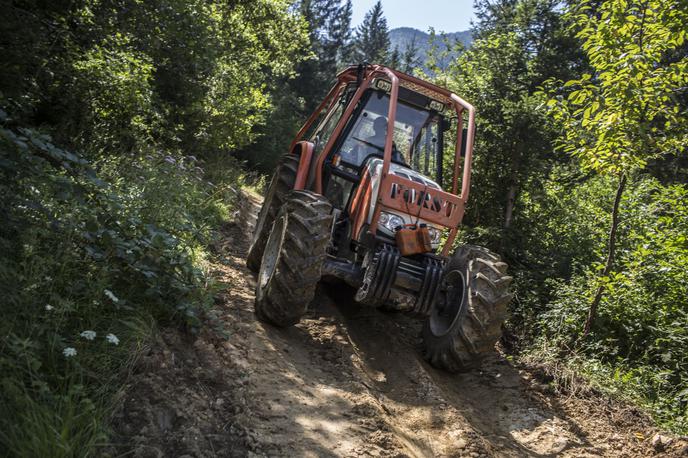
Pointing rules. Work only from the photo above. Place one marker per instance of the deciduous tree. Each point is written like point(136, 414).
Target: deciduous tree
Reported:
point(627, 111)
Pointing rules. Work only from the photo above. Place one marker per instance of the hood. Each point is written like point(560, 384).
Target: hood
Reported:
point(412, 175)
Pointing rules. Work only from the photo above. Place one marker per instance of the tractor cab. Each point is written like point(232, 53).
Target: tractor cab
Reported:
point(417, 139)
point(382, 130)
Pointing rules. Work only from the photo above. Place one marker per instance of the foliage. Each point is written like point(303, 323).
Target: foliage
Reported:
point(340, 45)
point(641, 331)
point(372, 37)
point(500, 75)
point(623, 114)
point(98, 246)
point(623, 110)
point(193, 75)
point(559, 235)
point(115, 82)
point(89, 251)
point(627, 111)
point(409, 57)
point(330, 46)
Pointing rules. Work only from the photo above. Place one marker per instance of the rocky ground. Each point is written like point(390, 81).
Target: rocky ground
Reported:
point(349, 381)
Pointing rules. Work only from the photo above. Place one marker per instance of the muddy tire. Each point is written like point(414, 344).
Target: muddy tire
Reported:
point(467, 321)
point(282, 182)
point(293, 257)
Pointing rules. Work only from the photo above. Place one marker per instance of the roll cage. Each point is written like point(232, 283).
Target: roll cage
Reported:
point(437, 206)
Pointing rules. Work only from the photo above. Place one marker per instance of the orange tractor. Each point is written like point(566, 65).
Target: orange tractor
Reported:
point(359, 198)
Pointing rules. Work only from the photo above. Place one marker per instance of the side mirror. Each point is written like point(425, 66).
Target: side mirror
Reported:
point(446, 125)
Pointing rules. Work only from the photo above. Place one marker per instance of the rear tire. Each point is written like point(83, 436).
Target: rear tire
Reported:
point(293, 257)
point(466, 322)
point(282, 182)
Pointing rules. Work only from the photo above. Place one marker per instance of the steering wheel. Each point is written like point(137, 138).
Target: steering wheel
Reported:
point(369, 144)
point(396, 154)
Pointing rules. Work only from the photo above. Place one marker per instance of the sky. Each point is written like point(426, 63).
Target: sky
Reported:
point(443, 15)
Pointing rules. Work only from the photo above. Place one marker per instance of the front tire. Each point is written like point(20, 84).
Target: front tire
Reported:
point(466, 322)
point(282, 182)
point(293, 257)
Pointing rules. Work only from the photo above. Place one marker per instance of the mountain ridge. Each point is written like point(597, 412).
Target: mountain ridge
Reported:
point(402, 37)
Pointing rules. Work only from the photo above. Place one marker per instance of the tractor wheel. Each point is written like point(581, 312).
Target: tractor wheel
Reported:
point(466, 321)
point(282, 182)
point(293, 257)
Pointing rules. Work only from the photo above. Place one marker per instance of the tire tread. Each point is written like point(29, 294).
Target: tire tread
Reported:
point(304, 249)
point(475, 335)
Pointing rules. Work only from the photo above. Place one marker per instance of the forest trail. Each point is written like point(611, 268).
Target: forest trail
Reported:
point(346, 381)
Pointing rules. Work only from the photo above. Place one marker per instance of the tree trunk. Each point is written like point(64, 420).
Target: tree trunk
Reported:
point(510, 202)
point(611, 251)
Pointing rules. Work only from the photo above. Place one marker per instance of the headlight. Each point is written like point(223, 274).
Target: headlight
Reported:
point(390, 222)
point(435, 235)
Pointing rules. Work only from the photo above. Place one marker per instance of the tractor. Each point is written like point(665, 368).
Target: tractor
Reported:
point(359, 198)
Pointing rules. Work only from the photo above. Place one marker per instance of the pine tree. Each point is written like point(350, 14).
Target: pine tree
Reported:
point(395, 58)
point(340, 35)
point(410, 59)
point(372, 37)
point(315, 73)
point(319, 15)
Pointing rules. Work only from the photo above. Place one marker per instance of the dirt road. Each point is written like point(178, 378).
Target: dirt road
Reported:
point(347, 381)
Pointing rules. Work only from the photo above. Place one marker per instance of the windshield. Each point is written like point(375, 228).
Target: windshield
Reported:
point(416, 131)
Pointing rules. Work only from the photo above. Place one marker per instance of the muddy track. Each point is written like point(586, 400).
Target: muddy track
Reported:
point(346, 381)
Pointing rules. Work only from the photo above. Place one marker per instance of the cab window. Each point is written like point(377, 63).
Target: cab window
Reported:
point(417, 140)
point(324, 131)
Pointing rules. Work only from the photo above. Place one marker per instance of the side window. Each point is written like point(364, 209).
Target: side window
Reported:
point(324, 131)
point(427, 149)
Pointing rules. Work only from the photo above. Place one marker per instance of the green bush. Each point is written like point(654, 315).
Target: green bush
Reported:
point(112, 96)
point(86, 258)
point(640, 337)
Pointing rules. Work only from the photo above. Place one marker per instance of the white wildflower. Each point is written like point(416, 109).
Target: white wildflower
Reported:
point(49, 307)
point(88, 335)
point(111, 295)
point(69, 352)
point(111, 338)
